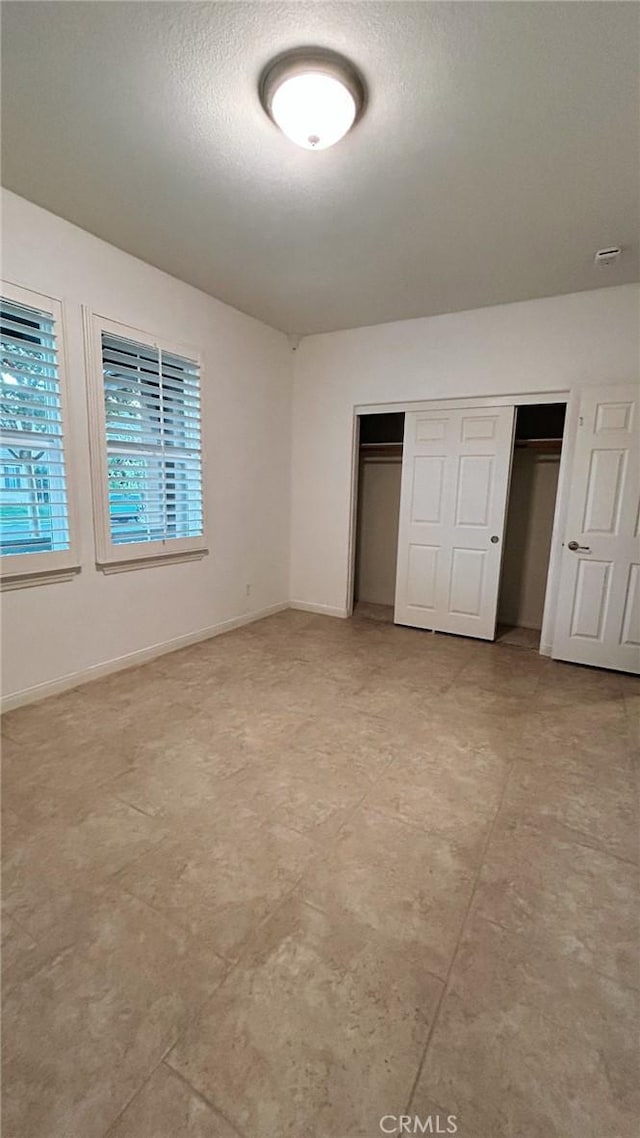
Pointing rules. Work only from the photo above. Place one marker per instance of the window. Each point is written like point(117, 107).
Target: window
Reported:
point(146, 448)
point(35, 536)
point(11, 477)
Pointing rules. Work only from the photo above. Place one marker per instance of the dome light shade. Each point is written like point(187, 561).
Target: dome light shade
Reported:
point(313, 110)
point(314, 97)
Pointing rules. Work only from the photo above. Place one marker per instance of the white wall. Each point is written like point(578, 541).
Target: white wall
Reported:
point(555, 344)
point(532, 504)
point(377, 541)
point(61, 630)
point(56, 632)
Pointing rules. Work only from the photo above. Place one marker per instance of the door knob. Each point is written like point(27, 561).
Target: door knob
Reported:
point(574, 547)
point(495, 539)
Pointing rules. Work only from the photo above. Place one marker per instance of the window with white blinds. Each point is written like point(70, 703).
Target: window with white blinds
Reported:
point(34, 508)
point(152, 456)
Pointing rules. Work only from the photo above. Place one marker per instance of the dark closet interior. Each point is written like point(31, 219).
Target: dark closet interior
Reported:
point(531, 510)
point(379, 473)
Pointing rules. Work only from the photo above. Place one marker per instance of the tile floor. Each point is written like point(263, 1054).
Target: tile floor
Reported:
point(313, 873)
point(518, 637)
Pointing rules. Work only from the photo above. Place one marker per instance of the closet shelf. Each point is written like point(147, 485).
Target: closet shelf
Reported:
point(381, 450)
point(540, 444)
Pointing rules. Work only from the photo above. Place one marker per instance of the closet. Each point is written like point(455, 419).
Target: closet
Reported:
point(532, 501)
point(379, 475)
point(478, 518)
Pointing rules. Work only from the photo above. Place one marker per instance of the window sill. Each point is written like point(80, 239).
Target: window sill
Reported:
point(30, 580)
point(151, 562)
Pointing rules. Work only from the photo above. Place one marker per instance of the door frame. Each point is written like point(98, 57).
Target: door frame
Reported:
point(572, 400)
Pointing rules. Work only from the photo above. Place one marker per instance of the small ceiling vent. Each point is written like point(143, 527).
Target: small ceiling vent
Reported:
point(607, 256)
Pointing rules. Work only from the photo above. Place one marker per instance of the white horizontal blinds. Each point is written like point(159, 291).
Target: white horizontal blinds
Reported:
point(182, 469)
point(34, 514)
point(154, 463)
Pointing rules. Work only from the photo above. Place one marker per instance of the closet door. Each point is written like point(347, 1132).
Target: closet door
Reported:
point(598, 615)
point(455, 481)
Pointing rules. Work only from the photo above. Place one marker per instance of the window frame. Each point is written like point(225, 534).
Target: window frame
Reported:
point(112, 557)
point(22, 569)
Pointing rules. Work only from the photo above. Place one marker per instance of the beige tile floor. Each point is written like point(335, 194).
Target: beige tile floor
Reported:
point(316, 872)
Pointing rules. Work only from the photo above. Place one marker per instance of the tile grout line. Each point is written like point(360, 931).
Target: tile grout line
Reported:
point(374, 932)
point(82, 813)
point(232, 966)
point(138, 809)
point(447, 982)
point(588, 843)
point(173, 923)
point(137, 1091)
point(231, 963)
point(203, 1098)
point(521, 938)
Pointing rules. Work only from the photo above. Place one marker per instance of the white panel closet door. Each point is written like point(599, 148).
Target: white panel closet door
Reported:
point(455, 481)
point(598, 616)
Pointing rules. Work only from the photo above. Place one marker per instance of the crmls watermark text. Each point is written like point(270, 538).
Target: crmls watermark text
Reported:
point(412, 1124)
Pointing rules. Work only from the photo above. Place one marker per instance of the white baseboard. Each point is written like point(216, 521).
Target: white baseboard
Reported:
point(131, 659)
point(323, 610)
point(144, 655)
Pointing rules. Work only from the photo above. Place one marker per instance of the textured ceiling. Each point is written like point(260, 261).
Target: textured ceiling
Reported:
point(498, 152)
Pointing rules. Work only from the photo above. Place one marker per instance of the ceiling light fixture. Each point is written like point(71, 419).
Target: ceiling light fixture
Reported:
point(314, 96)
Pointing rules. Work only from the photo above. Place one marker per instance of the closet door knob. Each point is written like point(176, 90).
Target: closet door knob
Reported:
point(495, 539)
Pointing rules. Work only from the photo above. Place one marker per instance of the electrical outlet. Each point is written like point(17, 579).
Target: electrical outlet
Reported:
point(248, 590)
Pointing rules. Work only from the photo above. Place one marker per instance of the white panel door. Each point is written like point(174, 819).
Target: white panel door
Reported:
point(598, 617)
point(455, 480)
